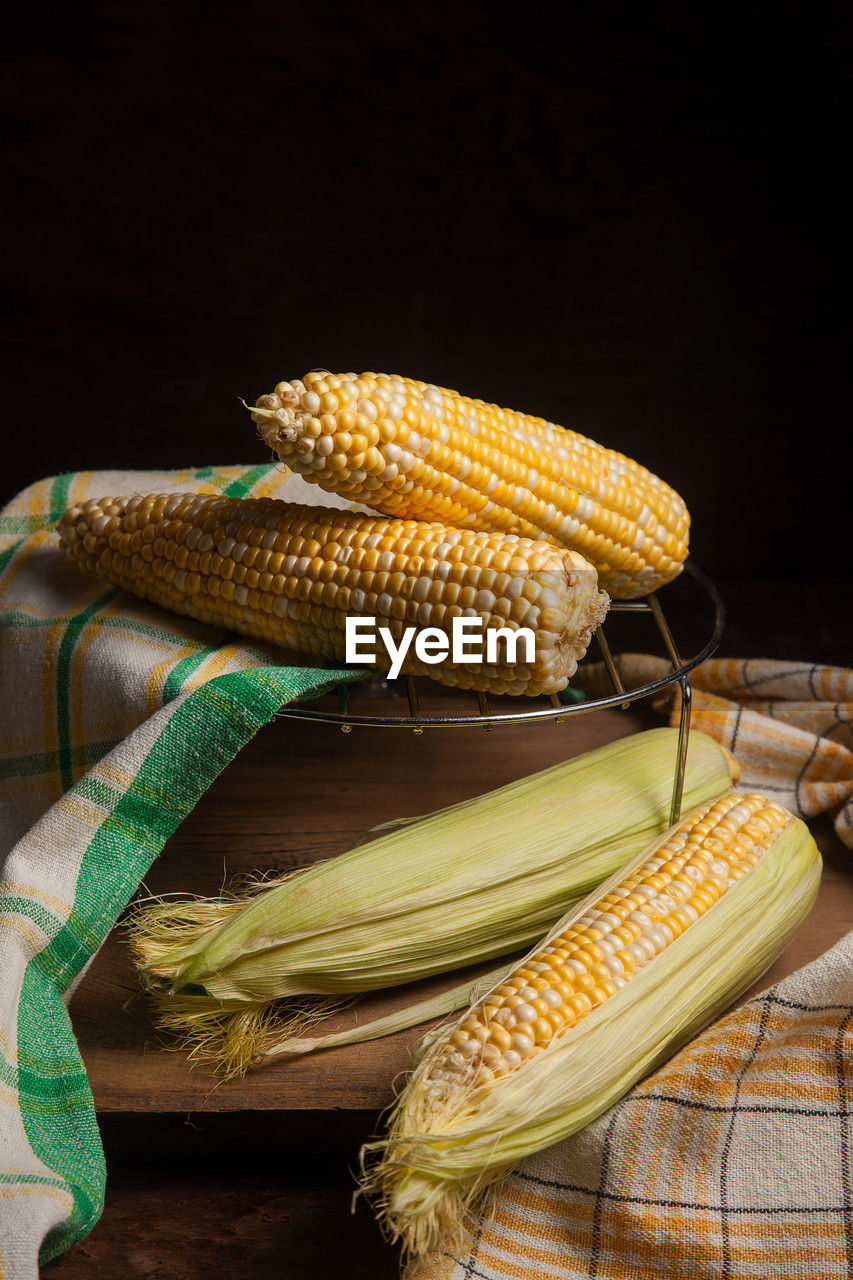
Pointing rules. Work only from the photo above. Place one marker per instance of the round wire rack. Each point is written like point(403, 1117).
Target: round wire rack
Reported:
point(409, 714)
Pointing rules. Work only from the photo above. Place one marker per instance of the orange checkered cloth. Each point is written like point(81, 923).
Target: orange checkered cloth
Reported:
point(790, 724)
point(735, 1160)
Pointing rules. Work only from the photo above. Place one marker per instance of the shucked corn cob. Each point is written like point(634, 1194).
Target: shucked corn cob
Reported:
point(624, 979)
point(457, 887)
point(407, 448)
point(290, 574)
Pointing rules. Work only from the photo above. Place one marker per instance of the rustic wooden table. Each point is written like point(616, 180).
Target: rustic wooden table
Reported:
point(252, 1178)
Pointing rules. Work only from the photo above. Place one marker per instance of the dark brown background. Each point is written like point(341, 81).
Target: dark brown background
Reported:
point(629, 220)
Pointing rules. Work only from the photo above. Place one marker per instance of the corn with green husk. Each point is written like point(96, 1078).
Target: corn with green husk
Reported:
point(469, 883)
point(625, 978)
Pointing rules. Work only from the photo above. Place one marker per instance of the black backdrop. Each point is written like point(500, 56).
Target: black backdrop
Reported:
point(631, 220)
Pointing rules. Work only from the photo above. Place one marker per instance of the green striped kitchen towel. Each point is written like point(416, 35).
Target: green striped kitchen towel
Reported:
point(116, 717)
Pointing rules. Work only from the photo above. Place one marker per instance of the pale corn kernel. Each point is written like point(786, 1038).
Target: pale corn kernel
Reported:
point(522, 1044)
point(524, 1013)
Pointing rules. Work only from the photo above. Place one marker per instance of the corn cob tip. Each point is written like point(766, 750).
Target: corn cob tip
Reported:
point(275, 414)
point(275, 426)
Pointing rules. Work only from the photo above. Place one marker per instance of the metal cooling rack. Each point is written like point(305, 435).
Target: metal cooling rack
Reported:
point(558, 707)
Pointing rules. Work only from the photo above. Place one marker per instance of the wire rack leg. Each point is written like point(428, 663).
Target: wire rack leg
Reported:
point(612, 669)
point(681, 751)
point(414, 704)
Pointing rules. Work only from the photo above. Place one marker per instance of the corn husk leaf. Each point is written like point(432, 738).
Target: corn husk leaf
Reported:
point(411, 1015)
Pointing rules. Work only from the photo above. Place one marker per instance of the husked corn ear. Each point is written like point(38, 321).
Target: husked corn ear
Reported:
point(618, 984)
point(408, 448)
point(460, 886)
point(291, 575)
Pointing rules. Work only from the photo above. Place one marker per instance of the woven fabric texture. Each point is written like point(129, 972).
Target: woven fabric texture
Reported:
point(790, 724)
point(116, 718)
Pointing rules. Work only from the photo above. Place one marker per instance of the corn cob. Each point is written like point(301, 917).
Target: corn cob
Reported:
point(621, 981)
point(290, 575)
point(461, 886)
point(407, 448)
